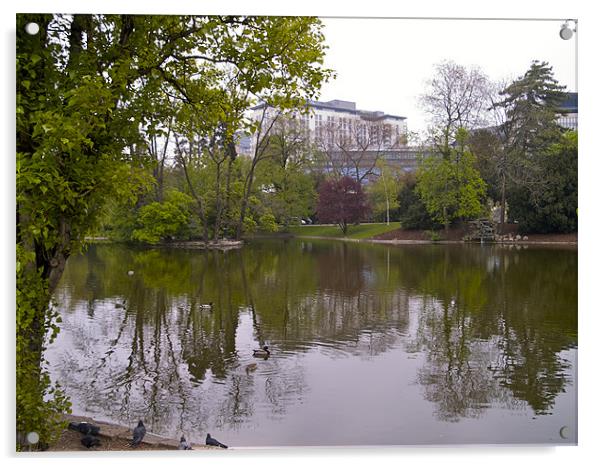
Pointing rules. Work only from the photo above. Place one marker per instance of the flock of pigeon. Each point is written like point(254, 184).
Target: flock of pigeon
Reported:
point(90, 434)
point(90, 431)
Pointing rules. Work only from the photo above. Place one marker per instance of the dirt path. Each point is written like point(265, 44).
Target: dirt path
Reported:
point(115, 438)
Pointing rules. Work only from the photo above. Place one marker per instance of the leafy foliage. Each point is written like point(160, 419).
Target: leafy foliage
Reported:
point(532, 103)
point(413, 214)
point(92, 91)
point(554, 209)
point(382, 193)
point(163, 220)
point(451, 188)
point(539, 162)
point(45, 418)
point(286, 188)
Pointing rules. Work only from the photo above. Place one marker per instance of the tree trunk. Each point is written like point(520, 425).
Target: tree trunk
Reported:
point(388, 220)
point(218, 202)
point(228, 176)
point(245, 200)
point(199, 201)
point(445, 221)
point(503, 204)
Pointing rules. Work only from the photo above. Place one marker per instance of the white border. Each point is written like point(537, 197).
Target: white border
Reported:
point(589, 222)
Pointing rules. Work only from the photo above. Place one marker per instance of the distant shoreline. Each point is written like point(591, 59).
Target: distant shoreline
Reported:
point(422, 241)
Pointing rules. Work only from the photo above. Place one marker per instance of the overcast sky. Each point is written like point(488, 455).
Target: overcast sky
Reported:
point(382, 64)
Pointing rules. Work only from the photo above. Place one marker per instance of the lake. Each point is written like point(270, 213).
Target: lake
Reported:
point(370, 344)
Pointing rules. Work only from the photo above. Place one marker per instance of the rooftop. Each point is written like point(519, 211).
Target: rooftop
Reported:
point(344, 106)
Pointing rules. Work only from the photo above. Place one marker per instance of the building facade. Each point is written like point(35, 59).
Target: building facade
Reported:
point(343, 138)
point(570, 112)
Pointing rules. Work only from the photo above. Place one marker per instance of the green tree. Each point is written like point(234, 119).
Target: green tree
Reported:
point(554, 209)
point(163, 220)
point(382, 193)
point(451, 187)
point(530, 105)
point(86, 87)
point(413, 214)
point(284, 185)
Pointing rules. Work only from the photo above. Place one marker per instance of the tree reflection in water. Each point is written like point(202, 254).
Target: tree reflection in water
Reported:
point(494, 330)
point(492, 325)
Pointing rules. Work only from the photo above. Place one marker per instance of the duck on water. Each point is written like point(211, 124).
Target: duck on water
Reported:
point(261, 353)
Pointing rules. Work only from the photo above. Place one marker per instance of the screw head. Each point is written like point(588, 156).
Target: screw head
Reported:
point(32, 28)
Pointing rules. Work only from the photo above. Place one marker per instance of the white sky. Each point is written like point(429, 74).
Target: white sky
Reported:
point(383, 64)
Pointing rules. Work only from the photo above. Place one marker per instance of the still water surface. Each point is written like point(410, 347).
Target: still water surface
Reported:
point(371, 344)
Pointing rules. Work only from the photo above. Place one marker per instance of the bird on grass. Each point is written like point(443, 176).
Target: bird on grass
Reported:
point(207, 306)
point(261, 353)
point(184, 444)
point(90, 441)
point(85, 428)
point(214, 442)
point(139, 433)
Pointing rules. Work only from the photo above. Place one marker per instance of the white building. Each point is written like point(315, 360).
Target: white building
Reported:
point(339, 122)
point(348, 139)
point(570, 108)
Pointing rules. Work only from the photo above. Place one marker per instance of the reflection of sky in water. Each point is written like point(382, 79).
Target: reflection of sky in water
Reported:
point(375, 365)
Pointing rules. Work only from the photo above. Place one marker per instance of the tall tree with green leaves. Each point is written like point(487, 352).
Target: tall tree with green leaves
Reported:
point(531, 105)
point(451, 187)
point(87, 85)
point(554, 209)
point(285, 186)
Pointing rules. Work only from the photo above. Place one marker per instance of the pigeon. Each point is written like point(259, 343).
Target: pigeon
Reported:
point(184, 444)
point(84, 428)
point(139, 432)
point(90, 441)
point(214, 442)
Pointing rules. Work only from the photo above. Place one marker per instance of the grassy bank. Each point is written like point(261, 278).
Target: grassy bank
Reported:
point(362, 231)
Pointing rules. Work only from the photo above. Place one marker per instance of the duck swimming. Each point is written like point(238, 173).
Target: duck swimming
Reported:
point(250, 367)
point(261, 353)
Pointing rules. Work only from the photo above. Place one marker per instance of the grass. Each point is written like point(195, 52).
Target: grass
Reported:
point(362, 231)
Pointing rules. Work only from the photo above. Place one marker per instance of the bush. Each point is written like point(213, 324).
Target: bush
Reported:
point(249, 225)
point(161, 220)
point(267, 223)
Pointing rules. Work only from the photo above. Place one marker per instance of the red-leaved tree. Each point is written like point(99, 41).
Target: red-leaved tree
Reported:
point(342, 202)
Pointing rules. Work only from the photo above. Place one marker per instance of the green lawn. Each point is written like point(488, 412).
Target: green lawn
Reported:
point(362, 231)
